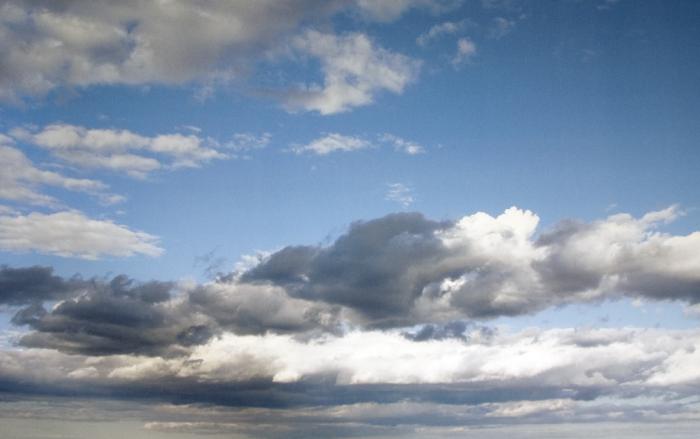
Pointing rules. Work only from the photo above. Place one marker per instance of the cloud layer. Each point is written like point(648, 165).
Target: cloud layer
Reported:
point(378, 327)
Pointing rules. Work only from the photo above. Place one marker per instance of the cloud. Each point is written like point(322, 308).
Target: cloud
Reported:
point(335, 142)
point(402, 145)
point(100, 317)
point(400, 193)
point(440, 30)
point(385, 378)
point(20, 179)
point(244, 142)
point(354, 70)
point(21, 286)
point(72, 234)
point(121, 150)
point(48, 45)
point(332, 142)
point(393, 272)
point(404, 269)
point(466, 49)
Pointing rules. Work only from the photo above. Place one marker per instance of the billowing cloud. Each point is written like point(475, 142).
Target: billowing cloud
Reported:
point(404, 268)
point(72, 234)
point(47, 45)
point(121, 150)
point(375, 329)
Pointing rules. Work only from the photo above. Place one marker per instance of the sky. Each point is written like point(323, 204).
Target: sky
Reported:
point(349, 218)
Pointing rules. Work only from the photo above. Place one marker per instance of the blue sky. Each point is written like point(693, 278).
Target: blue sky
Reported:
point(171, 142)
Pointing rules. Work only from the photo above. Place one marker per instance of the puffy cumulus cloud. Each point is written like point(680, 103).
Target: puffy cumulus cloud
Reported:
point(404, 268)
point(121, 150)
point(354, 69)
point(72, 234)
point(48, 44)
point(20, 180)
point(332, 142)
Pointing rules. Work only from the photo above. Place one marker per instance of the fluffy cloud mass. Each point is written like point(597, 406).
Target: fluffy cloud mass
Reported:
point(393, 272)
point(381, 324)
point(46, 45)
point(405, 269)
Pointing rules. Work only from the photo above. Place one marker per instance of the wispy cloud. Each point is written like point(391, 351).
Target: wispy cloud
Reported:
point(400, 193)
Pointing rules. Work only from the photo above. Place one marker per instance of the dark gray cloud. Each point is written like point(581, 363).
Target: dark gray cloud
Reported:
point(101, 318)
point(376, 268)
point(24, 285)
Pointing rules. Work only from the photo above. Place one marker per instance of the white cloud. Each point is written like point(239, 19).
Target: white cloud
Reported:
point(332, 142)
point(400, 193)
point(466, 49)
point(355, 69)
point(402, 145)
point(72, 234)
point(20, 179)
point(121, 150)
point(439, 30)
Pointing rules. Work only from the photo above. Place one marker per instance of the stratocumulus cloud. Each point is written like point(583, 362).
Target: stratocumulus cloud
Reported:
point(396, 309)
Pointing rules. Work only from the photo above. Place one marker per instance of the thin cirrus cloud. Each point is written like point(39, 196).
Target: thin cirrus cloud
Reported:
point(132, 43)
point(72, 234)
